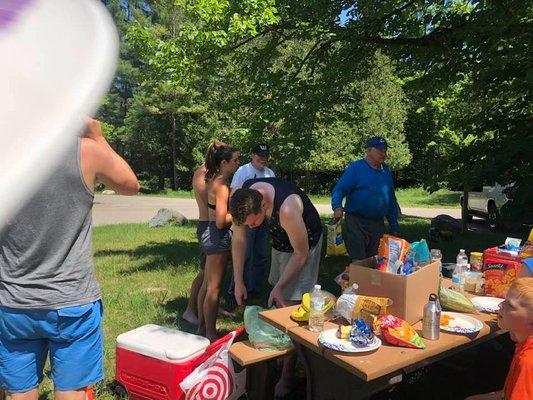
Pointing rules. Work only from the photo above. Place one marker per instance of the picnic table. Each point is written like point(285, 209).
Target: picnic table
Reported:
point(336, 375)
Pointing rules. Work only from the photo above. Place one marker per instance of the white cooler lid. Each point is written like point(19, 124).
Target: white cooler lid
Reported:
point(163, 343)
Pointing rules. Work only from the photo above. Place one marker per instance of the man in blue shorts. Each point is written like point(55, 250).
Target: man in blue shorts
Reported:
point(50, 301)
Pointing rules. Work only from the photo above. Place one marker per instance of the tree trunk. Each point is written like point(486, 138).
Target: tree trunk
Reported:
point(173, 140)
point(464, 209)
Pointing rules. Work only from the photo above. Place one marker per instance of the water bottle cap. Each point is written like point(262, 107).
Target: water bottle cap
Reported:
point(433, 297)
point(462, 250)
point(318, 287)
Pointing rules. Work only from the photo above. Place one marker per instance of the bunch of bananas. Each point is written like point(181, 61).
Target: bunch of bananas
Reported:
point(302, 313)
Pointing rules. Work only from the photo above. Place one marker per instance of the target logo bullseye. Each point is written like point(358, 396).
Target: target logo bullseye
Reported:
point(217, 385)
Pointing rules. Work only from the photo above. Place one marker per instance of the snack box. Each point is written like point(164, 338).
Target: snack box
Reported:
point(409, 293)
point(500, 270)
point(152, 360)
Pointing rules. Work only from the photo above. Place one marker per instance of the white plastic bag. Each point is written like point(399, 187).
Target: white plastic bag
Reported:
point(215, 378)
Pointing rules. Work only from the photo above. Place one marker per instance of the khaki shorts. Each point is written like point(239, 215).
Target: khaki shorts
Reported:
point(307, 278)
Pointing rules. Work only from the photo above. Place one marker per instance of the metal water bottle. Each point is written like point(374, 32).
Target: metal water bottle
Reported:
point(431, 320)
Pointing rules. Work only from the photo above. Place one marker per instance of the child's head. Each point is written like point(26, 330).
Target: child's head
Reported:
point(516, 312)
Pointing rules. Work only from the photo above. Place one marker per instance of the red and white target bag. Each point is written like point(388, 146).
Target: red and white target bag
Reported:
point(215, 378)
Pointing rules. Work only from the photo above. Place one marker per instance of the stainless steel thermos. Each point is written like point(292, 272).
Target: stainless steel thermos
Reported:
point(431, 320)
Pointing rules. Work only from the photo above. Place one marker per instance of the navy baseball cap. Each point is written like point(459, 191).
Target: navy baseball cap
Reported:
point(261, 149)
point(378, 142)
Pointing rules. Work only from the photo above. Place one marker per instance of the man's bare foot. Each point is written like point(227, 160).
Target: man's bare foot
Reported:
point(190, 317)
point(225, 313)
point(282, 389)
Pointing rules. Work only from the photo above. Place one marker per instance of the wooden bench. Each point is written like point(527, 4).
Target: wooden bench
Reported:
point(260, 366)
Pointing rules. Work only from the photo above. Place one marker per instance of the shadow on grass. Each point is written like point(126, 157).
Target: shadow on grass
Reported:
point(157, 255)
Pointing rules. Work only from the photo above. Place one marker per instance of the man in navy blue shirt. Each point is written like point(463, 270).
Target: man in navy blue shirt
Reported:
point(368, 187)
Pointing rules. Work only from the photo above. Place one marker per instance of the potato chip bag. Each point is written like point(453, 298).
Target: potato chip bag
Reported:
point(398, 332)
point(392, 249)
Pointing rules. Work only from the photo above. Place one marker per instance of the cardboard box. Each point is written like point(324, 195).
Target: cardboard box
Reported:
point(409, 293)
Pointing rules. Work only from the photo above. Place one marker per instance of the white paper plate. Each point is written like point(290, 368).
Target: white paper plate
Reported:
point(330, 340)
point(57, 59)
point(461, 323)
point(487, 304)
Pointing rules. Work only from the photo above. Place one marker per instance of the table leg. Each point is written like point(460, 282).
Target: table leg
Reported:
point(328, 381)
point(260, 380)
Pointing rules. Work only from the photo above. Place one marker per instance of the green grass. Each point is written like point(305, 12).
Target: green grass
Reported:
point(413, 197)
point(145, 275)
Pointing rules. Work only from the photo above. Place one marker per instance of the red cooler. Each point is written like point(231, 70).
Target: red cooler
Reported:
point(152, 360)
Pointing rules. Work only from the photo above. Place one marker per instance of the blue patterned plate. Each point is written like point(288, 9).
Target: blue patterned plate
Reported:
point(330, 340)
point(486, 303)
point(460, 323)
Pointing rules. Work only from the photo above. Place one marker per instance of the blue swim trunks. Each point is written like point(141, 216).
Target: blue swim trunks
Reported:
point(72, 336)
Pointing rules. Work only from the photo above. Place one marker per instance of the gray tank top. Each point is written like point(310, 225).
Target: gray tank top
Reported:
point(46, 249)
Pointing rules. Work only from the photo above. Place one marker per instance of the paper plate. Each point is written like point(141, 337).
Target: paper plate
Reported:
point(486, 303)
point(57, 60)
point(461, 323)
point(330, 340)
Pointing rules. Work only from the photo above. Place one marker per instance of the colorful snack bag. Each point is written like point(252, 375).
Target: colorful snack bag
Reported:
point(361, 335)
point(392, 249)
point(336, 246)
point(369, 309)
point(398, 332)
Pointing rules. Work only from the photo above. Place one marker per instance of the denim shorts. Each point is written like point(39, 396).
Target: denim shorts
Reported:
point(216, 240)
point(72, 336)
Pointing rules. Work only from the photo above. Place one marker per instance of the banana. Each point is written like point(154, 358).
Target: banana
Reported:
point(300, 315)
point(306, 303)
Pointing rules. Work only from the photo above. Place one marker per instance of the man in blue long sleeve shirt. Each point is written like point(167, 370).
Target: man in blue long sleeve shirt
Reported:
point(368, 187)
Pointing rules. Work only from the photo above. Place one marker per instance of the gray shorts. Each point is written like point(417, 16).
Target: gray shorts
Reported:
point(200, 229)
point(307, 277)
point(216, 240)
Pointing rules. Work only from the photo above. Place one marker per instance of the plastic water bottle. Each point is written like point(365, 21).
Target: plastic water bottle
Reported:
point(431, 320)
point(316, 315)
point(459, 273)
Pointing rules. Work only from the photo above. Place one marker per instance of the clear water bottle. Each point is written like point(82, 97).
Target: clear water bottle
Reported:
point(431, 319)
point(459, 273)
point(316, 315)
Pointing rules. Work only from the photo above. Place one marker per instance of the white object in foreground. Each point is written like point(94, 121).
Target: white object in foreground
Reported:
point(58, 59)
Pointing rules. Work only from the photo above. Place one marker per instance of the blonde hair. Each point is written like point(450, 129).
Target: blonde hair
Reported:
point(523, 288)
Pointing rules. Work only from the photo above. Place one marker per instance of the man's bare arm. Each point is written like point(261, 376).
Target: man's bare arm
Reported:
point(238, 251)
point(100, 162)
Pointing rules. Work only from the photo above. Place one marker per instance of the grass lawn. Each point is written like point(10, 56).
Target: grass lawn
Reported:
point(146, 274)
point(413, 197)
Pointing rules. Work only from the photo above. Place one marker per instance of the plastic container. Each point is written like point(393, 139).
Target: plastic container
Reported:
point(152, 360)
point(458, 276)
point(476, 262)
point(316, 315)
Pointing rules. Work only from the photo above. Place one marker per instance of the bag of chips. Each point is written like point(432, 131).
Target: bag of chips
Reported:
point(398, 332)
point(336, 246)
point(392, 249)
point(352, 306)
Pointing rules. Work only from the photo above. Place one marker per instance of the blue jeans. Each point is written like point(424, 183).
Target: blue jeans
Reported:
point(255, 260)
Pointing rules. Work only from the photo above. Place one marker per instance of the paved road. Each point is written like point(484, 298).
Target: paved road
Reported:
point(115, 209)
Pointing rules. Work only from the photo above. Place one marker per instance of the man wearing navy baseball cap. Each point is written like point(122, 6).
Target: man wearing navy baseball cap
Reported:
point(368, 187)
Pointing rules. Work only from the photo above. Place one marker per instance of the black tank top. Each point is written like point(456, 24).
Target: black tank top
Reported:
point(282, 190)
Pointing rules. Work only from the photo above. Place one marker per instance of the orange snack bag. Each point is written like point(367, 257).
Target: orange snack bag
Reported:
point(392, 249)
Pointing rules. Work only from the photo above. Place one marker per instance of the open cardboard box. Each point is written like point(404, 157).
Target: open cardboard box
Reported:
point(409, 293)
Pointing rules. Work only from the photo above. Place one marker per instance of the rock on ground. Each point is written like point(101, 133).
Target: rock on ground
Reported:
point(166, 216)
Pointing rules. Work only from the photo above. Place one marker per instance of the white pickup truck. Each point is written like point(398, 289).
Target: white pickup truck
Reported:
point(487, 203)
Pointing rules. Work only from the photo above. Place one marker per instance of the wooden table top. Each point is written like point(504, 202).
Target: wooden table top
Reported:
point(387, 358)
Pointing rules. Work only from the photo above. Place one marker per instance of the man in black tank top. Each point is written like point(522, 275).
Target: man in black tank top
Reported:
point(296, 231)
